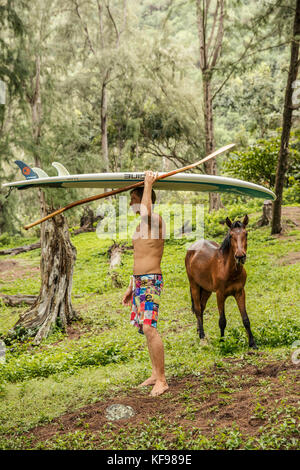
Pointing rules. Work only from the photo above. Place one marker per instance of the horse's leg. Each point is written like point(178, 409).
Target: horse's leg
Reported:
point(204, 296)
point(196, 306)
point(240, 298)
point(221, 306)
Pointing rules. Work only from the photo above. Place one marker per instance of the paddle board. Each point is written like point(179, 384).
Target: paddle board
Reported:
point(35, 177)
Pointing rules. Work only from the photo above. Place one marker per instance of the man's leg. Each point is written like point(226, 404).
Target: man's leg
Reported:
point(156, 352)
point(152, 378)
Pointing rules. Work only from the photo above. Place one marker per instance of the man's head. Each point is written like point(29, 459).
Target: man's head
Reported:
point(136, 198)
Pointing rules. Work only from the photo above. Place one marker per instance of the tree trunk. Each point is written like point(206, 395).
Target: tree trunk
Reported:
point(210, 43)
point(287, 124)
point(211, 165)
point(104, 141)
point(57, 262)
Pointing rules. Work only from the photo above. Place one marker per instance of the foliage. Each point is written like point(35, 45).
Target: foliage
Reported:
point(291, 195)
point(258, 163)
point(49, 362)
point(11, 68)
point(273, 333)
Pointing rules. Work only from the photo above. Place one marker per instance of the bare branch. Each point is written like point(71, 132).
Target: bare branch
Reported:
point(241, 58)
point(100, 23)
point(113, 22)
point(201, 35)
point(85, 28)
point(219, 37)
point(213, 27)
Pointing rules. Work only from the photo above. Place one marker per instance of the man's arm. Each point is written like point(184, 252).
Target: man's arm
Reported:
point(146, 202)
point(127, 296)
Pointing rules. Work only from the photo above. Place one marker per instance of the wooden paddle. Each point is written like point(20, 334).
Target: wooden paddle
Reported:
point(132, 186)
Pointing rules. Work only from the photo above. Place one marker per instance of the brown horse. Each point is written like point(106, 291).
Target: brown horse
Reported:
point(214, 268)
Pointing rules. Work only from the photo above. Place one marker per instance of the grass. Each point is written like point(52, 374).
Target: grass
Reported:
point(38, 384)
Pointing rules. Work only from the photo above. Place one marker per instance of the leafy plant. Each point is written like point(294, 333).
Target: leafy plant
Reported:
point(259, 161)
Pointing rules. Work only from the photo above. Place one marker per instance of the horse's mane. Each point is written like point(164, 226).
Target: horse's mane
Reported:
point(226, 242)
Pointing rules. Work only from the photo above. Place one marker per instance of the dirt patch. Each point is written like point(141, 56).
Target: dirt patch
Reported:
point(291, 258)
point(272, 370)
point(292, 213)
point(290, 221)
point(74, 332)
point(224, 395)
point(11, 270)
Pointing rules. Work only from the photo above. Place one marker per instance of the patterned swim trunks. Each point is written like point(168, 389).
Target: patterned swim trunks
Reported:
point(145, 300)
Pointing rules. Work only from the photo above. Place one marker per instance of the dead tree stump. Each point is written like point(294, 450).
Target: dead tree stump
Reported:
point(115, 255)
point(266, 215)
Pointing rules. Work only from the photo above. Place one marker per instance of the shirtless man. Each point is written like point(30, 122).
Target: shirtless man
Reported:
point(147, 281)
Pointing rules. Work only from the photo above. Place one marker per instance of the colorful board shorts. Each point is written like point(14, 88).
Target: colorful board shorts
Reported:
point(145, 300)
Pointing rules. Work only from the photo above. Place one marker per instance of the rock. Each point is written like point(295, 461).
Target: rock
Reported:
point(118, 411)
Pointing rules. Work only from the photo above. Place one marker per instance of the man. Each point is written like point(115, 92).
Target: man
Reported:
point(147, 281)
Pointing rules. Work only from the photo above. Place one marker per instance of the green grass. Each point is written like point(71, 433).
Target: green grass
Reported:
point(38, 384)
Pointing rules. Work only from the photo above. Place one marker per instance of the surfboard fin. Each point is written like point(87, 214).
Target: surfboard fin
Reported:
point(62, 171)
point(41, 173)
point(26, 170)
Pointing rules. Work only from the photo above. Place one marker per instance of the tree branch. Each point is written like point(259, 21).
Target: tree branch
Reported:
point(241, 58)
point(200, 14)
point(219, 37)
point(213, 26)
point(113, 22)
point(85, 28)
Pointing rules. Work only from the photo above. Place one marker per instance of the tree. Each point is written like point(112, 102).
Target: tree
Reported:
point(210, 34)
point(11, 72)
point(58, 255)
point(232, 36)
point(53, 304)
point(287, 123)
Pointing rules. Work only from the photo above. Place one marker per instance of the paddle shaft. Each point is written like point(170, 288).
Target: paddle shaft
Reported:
point(127, 188)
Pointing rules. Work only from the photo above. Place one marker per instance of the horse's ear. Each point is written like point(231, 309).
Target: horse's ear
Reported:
point(246, 220)
point(228, 222)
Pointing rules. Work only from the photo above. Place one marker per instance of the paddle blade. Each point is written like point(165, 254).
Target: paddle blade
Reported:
point(214, 154)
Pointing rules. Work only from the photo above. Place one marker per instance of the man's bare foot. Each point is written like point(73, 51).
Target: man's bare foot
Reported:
point(150, 381)
point(159, 388)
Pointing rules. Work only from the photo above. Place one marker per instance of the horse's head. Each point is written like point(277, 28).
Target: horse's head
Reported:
point(238, 238)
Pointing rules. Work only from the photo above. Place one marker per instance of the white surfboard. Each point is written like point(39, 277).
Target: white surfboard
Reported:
point(178, 182)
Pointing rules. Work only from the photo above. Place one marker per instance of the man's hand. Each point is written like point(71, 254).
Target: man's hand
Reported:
point(127, 297)
point(150, 177)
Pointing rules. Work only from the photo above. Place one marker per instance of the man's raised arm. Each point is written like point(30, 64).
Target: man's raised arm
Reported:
point(146, 202)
